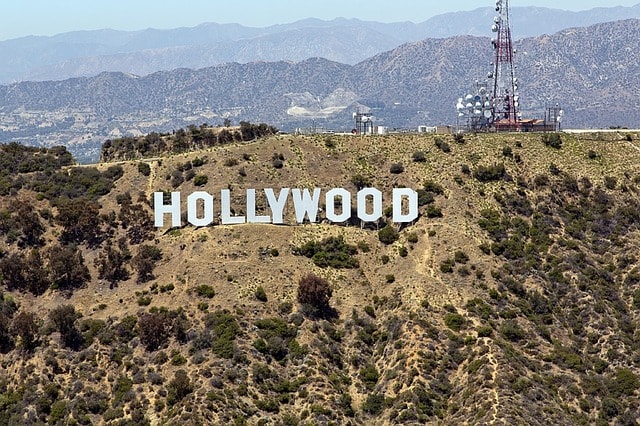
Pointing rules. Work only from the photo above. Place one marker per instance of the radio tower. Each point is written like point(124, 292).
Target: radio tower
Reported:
point(505, 99)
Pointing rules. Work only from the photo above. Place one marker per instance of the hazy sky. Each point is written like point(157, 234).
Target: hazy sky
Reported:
point(48, 17)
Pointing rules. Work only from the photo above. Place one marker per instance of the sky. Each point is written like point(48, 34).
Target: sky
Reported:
point(48, 17)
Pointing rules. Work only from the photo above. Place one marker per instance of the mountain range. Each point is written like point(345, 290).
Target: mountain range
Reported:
point(349, 41)
point(591, 72)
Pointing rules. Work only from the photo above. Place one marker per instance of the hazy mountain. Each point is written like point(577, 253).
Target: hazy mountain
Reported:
point(592, 72)
point(87, 53)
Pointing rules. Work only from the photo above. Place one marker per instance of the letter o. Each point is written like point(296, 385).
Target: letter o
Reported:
point(362, 204)
point(330, 198)
point(192, 207)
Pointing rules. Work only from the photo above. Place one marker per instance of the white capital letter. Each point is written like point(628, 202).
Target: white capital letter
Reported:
point(345, 197)
point(277, 205)
point(362, 204)
point(225, 207)
point(192, 208)
point(160, 209)
point(304, 204)
point(251, 209)
point(412, 198)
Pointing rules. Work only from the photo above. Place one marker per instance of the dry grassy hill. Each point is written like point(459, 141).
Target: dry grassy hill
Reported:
point(513, 299)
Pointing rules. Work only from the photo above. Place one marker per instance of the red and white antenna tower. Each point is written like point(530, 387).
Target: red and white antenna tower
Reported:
point(505, 97)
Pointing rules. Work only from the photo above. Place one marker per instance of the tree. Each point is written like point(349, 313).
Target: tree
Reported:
point(179, 387)
point(67, 268)
point(25, 325)
point(64, 319)
point(36, 276)
point(154, 330)
point(112, 264)
point(314, 292)
point(80, 219)
point(145, 261)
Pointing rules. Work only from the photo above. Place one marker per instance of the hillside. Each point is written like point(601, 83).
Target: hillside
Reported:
point(513, 299)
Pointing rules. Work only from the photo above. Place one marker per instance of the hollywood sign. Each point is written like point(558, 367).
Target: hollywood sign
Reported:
point(306, 204)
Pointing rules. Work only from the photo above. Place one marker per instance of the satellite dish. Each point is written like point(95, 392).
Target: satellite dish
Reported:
point(494, 28)
point(461, 114)
point(468, 97)
point(487, 113)
point(487, 104)
point(469, 105)
point(477, 98)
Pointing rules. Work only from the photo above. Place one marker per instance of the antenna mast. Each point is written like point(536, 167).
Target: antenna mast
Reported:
point(505, 99)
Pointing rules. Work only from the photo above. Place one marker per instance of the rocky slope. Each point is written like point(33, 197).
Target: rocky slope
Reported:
point(513, 299)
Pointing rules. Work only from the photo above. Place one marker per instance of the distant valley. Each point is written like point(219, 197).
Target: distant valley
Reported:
point(591, 71)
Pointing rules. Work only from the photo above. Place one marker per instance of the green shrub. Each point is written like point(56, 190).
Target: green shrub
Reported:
point(454, 321)
point(442, 145)
point(625, 383)
point(268, 405)
point(205, 290)
point(369, 376)
point(374, 404)
point(489, 173)
point(485, 331)
point(434, 212)
point(610, 182)
point(446, 266)
point(388, 235)
point(260, 294)
point(434, 187)
point(200, 180)
point(460, 257)
point(418, 157)
point(369, 311)
point(331, 252)
point(390, 278)
point(552, 139)
point(144, 169)
point(396, 168)
point(360, 181)
point(224, 330)
point(512, 331)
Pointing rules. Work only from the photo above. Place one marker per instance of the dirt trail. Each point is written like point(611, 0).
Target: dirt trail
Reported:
point(494, 378)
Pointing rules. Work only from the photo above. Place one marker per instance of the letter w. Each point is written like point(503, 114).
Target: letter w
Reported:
point(305, 204)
